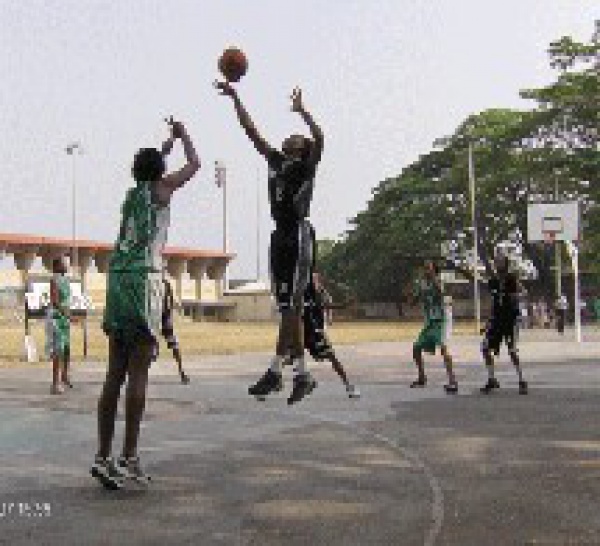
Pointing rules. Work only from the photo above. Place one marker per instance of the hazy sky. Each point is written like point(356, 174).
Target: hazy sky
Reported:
point(384, 78)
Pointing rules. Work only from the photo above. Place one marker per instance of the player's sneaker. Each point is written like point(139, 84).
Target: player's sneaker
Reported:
point(523, 387)
point(132, 469)
point(268, 383)
point(107, 473)
point(57, 389)
point(304, 384)
point(451, 388)
point(353, 391)
point(491, 384)
point(421, 382)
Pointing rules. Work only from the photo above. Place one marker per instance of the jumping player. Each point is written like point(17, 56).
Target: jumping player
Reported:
point(59, 327)
point(291, 180)
point(168, 331)
point(316, 304)
point(134, 300)
point(429, 291)
point(502, 324)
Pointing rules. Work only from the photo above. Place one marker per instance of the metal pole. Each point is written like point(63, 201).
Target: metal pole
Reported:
point(257, 226)
point(574, 252)
point(475, 240)
point(221, 179)
point(225, 234)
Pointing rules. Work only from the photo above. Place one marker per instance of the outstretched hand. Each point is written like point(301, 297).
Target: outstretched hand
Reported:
point(297, 104)
point(225, 88)
point(177, 128)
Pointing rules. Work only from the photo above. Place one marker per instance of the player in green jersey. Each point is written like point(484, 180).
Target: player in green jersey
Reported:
point(59, 326)
point(134, 300)
point(429, 291)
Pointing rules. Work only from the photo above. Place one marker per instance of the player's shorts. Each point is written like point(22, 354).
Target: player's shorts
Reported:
point(498, 332)
point(58, 337)
point(316, 341)
point(291, 257)
point(134, 304)
point(432, 336)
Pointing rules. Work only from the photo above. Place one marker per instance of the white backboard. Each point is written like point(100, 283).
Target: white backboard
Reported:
point(561, 219)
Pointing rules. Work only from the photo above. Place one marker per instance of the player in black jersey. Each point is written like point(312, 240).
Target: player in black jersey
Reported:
point(502, 324)
point(291, 181)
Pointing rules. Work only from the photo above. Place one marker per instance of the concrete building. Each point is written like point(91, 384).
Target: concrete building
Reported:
point(197, 275)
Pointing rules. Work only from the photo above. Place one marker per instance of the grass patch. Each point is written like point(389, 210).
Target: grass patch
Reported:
point(206, 338)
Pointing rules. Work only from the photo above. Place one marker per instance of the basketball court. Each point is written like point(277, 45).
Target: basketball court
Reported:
point(398, 466)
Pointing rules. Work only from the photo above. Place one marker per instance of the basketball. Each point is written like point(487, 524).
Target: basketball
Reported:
point(233, 64)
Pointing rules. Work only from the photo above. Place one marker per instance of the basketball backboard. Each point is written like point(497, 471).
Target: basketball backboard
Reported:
point(553, 221)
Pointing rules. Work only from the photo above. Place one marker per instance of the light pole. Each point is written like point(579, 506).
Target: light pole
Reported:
point(475, 240)
point(74, 149)
point(257, 226)
point(221, 181)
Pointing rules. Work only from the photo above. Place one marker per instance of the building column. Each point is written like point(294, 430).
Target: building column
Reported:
point(197, 269)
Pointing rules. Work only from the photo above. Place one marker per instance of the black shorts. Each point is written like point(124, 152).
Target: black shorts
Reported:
point(497, 333)
point(291, 258)
point(316, 341)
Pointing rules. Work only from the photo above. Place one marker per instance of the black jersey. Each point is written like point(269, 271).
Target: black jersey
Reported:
point(291, 184)
point(505, 305)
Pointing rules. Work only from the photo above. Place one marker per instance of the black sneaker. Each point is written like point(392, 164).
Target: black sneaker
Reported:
point(304, 384)
point(523, 387)
point(451, 388)
point(421, 382)
point(107, 473)
point(268, 383)
point(490, 386)
point(131, 468)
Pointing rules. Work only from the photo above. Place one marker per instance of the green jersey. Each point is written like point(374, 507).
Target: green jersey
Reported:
point(432, 300)
point(63, 289)
point(135, 290)
point(143, 232)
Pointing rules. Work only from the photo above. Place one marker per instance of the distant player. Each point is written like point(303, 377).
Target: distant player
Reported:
point(59, 327)
point(317, 304)
point(291, 181)
point(134, 301)
point(502, 324)
point(168, 331)
point(433, 335)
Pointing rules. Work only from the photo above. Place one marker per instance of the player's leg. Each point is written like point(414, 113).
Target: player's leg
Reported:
point(55, 356)
point(490, 344)
point(452, 386)
point(272, 379)
point(140, 358)
point(66, 365)
point(511, 342)
point(185, 379)
point(104, 469)
point(303, 383)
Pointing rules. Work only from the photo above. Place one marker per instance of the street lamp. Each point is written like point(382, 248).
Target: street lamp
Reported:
point(221, 182)
point(475, 239)
point(74, 149)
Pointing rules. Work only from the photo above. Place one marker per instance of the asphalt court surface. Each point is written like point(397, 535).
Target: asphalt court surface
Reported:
point(398, 466)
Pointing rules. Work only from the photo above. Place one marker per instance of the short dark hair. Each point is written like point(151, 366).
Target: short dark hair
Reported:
point(148, 165)
point(56, 262)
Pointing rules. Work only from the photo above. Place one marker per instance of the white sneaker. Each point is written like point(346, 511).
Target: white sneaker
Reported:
point(57, 389)
point(352, 391)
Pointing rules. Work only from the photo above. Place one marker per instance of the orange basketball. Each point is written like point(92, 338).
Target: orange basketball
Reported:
point(233, 64)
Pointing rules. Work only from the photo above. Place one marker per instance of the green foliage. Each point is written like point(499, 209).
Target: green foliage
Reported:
point(519, 157)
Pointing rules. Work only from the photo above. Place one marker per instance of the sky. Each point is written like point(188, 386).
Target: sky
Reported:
point(384, 79)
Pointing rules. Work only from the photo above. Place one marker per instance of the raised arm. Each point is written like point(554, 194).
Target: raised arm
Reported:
point(171, 182)
point(261, 145)
point(315, 131)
